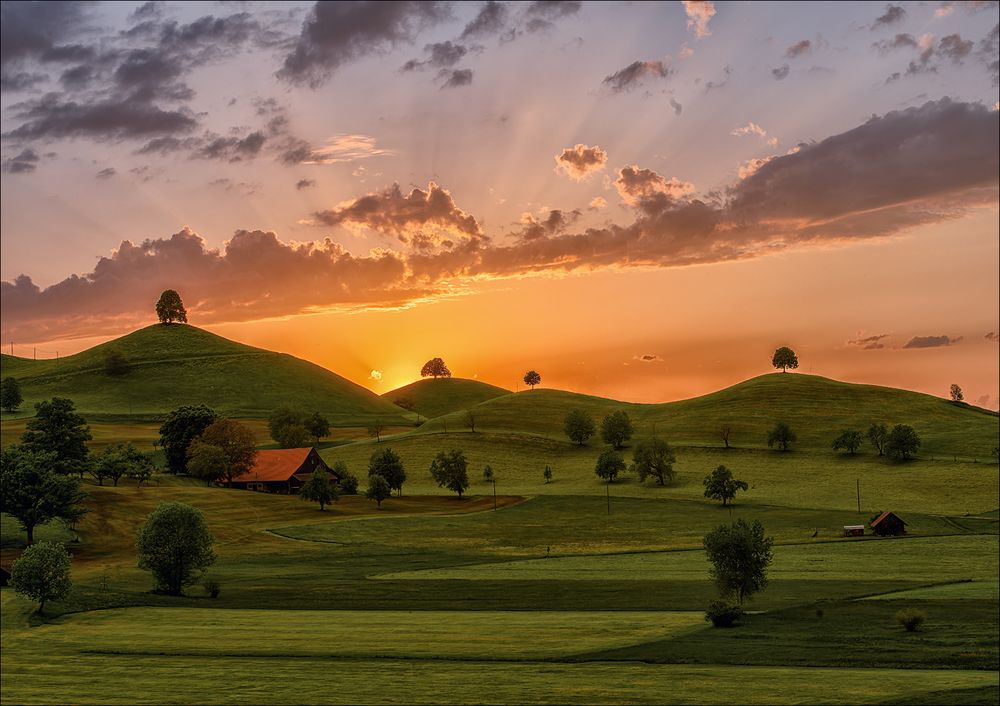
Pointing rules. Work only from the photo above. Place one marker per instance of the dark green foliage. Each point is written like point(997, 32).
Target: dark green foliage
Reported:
point(616, 429)
point(785, 357)
point(378, 489)
point(317, 425)
point(206, 461)
point(451, 470)
point(720, 485)
point(654, 458)
point(348, 482)
point(182, 426)
point(387, 464)
point(212, 587)
point(237, 443)
point(119, 460)
point(436, 368)
point(878, 434)
point(956, 393)
point(579, 426)
point(740, 555)
point(911, 619)
point(532, 378)
point(42, 573)
point(781, 436)
point(902, 443)
point(175, 545)
point(609, 464)
point(723, 614)
point(169, 308)
point(10, 394)
point(405, 402)
point(375, 429)
point(319, 489)
point(33, 492)
point(288, 427)
point(115, 363)
point(56, 427)
point(849, 440)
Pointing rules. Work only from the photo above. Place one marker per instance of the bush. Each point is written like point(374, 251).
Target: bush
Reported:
point(212, 588)
point(723, 615)
point(911, 618)
point(348, 484)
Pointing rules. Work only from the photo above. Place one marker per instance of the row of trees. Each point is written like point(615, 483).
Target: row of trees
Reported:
point(292, 428)
point(616, 428)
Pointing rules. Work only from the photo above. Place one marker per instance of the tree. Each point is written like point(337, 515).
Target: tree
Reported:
point(169, 308)
point(878, 434)
point(725, 431)
point(616, 429)
point(450, 470)
point(902, 443)
point(579, 426)
point(237, 443)
point(115, 363)
point(33, 493)
point(785, 357)
point(470, 420)
point(10, 394)
point(181, 427)
point(956, 393)
point(206, 462)
point(347, 483)
point(781, 436)
point(720, 485)
point(56, 427)
point(849, 440)
point(319, 489)
point(740, 555)
point(317, 425)
point(609, 464)
point(42, 573)
point(386, 463)
point(118, 460)
point(141, 471)
point(378, 489)
point(547, 474)
point(654, 458)
point(375, 428)
point(176, 546)
point(488, 473)
point(532, 378)
point(435, 368)
point(288, 427)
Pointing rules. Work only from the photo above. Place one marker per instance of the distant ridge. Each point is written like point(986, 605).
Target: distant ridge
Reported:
point(433, 397)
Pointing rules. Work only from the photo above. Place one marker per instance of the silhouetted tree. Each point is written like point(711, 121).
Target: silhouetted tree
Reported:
point(33, 493)
point(781, 436)
point(720, 485)
point(878, 434)
point(470, 420)
point(579, 426)
point(181, 427)
point(317, 425)
point(654, 458)
point(616, 429)
point(42, 573)
point(387, 464)
point(532, 378)
point(375, 429)
point(849, 440)
point(319, 489)
point(174, 544)
point(169, 308)
point(785, 357)
point(435, 368)
point(288, 427)
point(725, 431)
point(740, 555)
point(237, 443)
point(609, 464)
point(547, 474)
point(902, 443)
point(378, 489)
point(10, 394)
point(450, 470)
point(56, 427)
point(956, 393)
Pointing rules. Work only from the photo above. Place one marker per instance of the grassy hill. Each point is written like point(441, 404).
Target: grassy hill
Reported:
point(175, 365)
point(434, 397)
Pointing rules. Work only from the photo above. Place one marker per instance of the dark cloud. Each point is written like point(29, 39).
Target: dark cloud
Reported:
point(106, 173)
point(869, 343)
point(22, 163)
point(335, 33)
point(439, 56)
point(727, 71)
point(988, 52)
point(50, 117)
point(77, 77)
point(799, 49)
point(305, 184)
point(541, 15)
point(648, 358)
point(489, 22)
point(678, 108)
point(955, 48)
point(147, 11)
point(781, 72)
point(633, 75)
point(21, 80)
point(232, 149)
point(455, 78)
point(554, 223)
point(992, 336)
point(931, 341)
point(30, 29)
point(893, 14)
point(900, 41)
point(580, 161)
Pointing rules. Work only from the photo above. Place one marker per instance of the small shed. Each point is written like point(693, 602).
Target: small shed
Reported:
point(854, 530)
point(282, 471)
point(888, 524)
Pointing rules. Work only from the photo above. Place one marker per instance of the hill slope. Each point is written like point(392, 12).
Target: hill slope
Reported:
point(434, 397)
point(176, 365)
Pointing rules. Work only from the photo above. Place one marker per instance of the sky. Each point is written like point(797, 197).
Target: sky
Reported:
point(637, 200)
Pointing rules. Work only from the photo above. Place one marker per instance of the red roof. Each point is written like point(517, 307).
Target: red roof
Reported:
point(883, 516)
point(275, 465)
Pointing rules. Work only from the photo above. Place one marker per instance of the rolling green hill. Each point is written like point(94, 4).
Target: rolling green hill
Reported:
point(176, 365)
point(434, 397)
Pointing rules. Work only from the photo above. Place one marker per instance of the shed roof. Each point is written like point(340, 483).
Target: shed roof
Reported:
point(275, 465)
point(883, 516)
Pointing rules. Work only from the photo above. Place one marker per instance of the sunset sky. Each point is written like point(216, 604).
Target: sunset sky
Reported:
point(638, 200)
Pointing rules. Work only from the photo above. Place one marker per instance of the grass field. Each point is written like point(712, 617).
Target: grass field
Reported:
point(434, 397)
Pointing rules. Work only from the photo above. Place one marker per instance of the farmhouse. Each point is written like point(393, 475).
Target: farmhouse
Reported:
point(282, 470)
point(888, 524)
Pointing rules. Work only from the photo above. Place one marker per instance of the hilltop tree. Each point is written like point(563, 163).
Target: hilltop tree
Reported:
point(288, 427)
point(176, 546)
point(56, 427)
point(319, 489)
point(654, 459)
point(237, 443)
point(378, 489)
point(169, 308)
point(781, 436)
point(720, 485)
point(115, 363)
point(849, 440)
point(10, 394)
point(182, 426)
point(609, 464)
point(616, 429)
point(740, 555)
point(375, 429)
point(387, 464)
point(725, 431)
point(117, 461)
point(470, 420)
point(547, 474)
point(33, 493)
point(878, 434)
point(317, 426)
point(435, 368)
point(532, 378)
point(784, 358)
point(902, 443)
point(42, 573)
point(579, 426)
point(450, 470)
point(956, 393)
point(206, 462)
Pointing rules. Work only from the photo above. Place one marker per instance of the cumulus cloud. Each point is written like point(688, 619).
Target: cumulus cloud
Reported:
point(489, 22)
point(597, 203)
point(892, 15)
point(781, 73)
point(750, 167)
point(634, 74)
point(931, 341)
point(375, 375)
point(50, 117)
point(555, 222)
point(455, 78)
point(648, 190)
point(580, 161)
point(699, 12)
point(869, 343)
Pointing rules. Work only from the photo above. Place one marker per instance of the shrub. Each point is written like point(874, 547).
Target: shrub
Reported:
point(212, 588)
point(911, 618)
point(348, 484)
point(723, 615)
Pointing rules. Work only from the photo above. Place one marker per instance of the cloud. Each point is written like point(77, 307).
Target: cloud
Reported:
point(336, 33)
point(799, 49)
point(893, 14)
point(632, 75)
point(752, 128)
point(30, 30)
point(597, 203)
point(439, 55)
point(678, 108)
point(900, 41)
point(992, 336)
point(781, 72)
point(648, 358)
point(931, 341)
point(455, 78)
point(541, 14)
point(345, 148)
point(232, 149)
point(24, 162)
point(488, 22)
point(699, 12)
point(987, 52)
point(375, 375)
point(50, 117)
point(869, 343)
point(106, 173)
point(555, 222)
point(580, 161)
point(304, 184)
point(750, 167)
point(648, 190)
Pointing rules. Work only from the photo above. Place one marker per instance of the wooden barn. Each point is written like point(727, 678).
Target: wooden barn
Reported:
point(282, 471)
point(888, 524)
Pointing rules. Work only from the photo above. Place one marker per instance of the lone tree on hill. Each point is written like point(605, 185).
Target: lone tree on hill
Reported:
point(317, 425)
point(720, 485)
point(237, 443)
point(319, 489)
point(956, 393)
point(182, 426)
point(10, 394)
point(435, 368)
point(375, 429)
point(42, 573)
point(169, 308)
point(33, 493)
point(609, 464)
point(781, 436)
point(902, 443)
point(378, 489)
point(532, 378)
point(579, 426)
point(740, 555)
point(470, 420)
point(878, 434)
point(654, 459)
point(56, 427)
point(450, 470)
point(387, 464)
point(176, 546)
point(784, 358)
point(616, 429)
point(725, 431)
point(849, 440)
